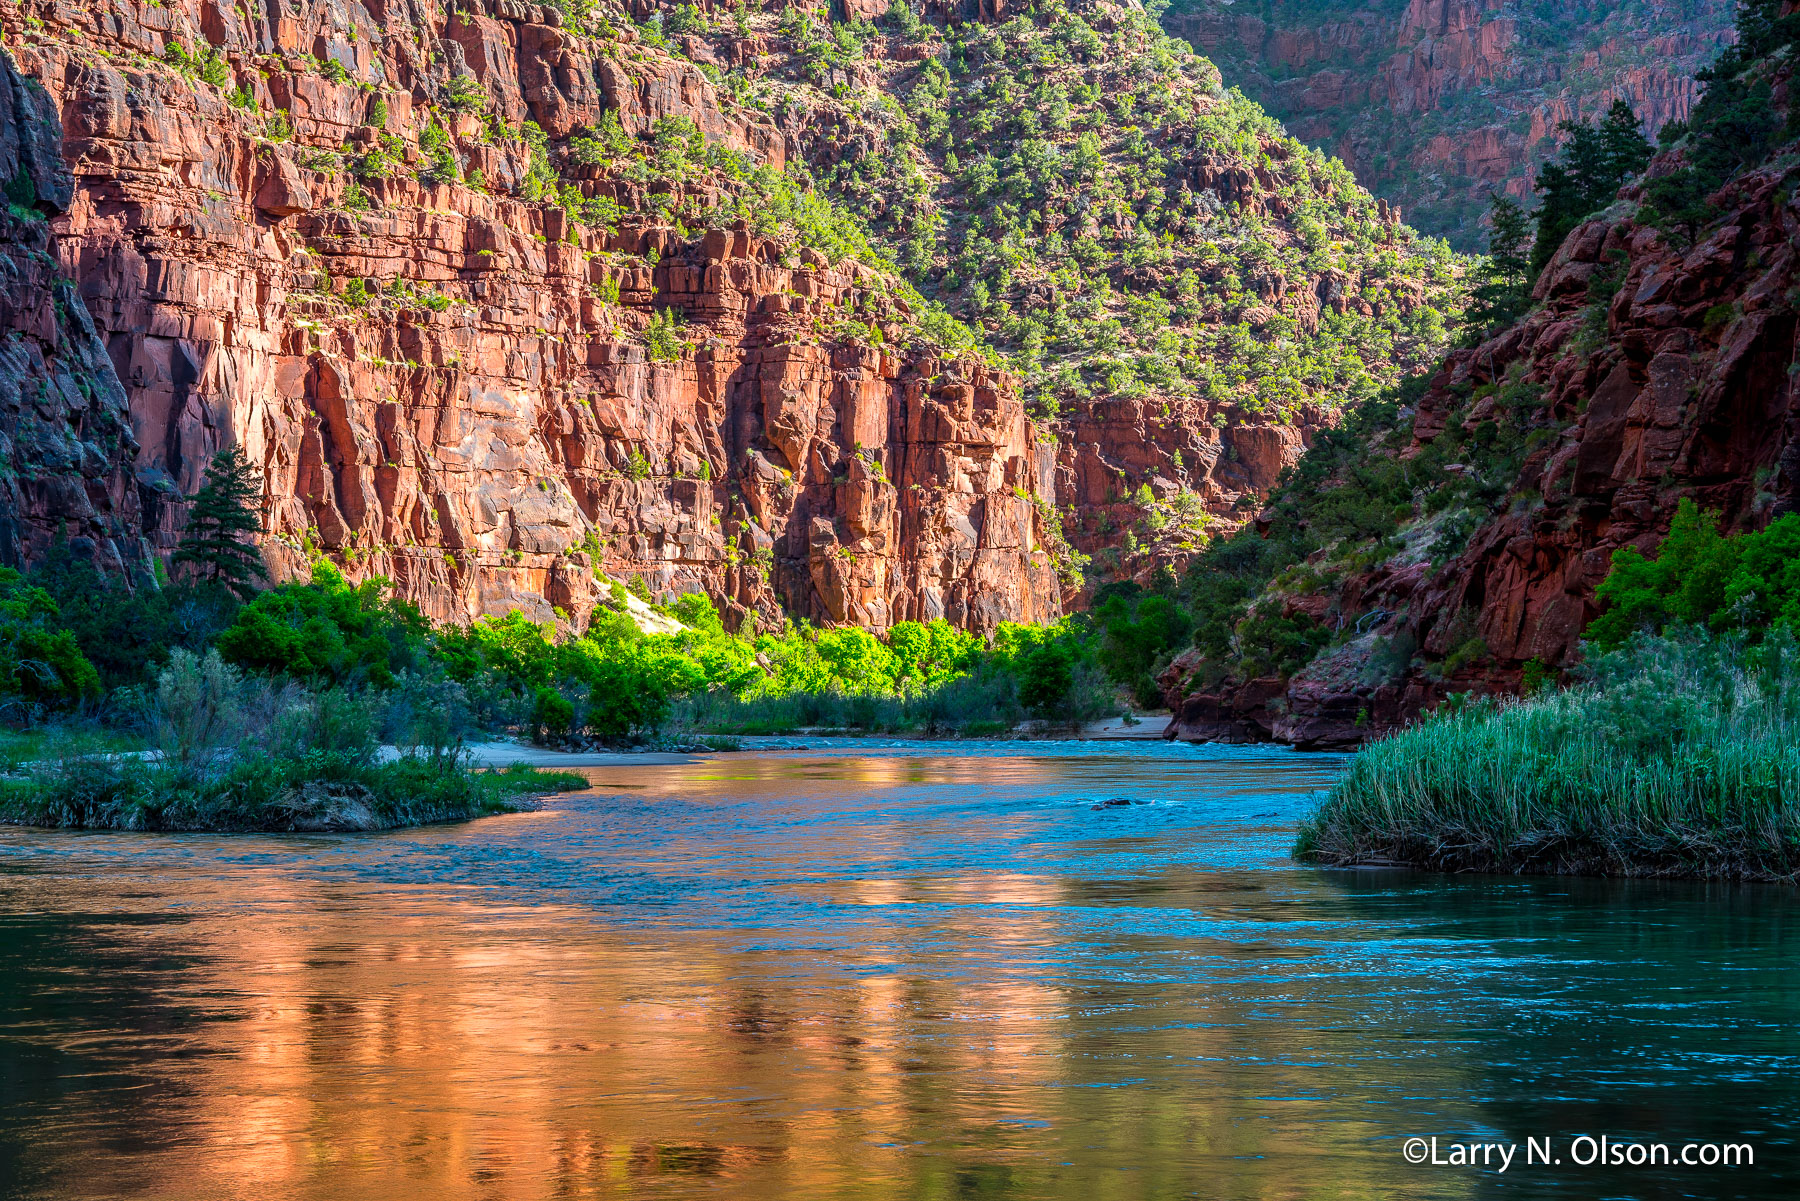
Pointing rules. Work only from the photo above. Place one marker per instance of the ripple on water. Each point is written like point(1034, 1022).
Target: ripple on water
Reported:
point(870, 969)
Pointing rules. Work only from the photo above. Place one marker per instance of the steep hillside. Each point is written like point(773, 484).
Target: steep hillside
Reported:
point(1436, 103)
point(1187, 292)
point(1461, 551)
point(507, 299)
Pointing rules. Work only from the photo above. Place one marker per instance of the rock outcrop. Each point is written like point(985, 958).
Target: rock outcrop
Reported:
point(304, 231)
point(1653, 370)
point(1438, 103)
point(66, 445)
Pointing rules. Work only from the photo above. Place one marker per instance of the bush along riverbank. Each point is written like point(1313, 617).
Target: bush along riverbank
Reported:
point(208, 703)
point(226, 752)
point(1676, 754)
point(75, 643)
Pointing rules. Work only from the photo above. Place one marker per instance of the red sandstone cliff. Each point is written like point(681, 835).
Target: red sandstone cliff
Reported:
point(1435, 103)
point(1678, 384)
point(490, 427)
point(66, 445)
point(293, 231)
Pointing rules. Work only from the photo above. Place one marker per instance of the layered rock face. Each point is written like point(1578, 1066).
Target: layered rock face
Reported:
point(478, 396)
point(508, 303)
point(1438, 103)
point(1691, 395)
point(1653, 371)
point(66, 445)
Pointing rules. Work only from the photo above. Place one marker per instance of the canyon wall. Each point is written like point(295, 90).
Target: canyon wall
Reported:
point(1654, 369)
point(508, 302)
point(66, 444)
point(485, 400)
point(1438, 103)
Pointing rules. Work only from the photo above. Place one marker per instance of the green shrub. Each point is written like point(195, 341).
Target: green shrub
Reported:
point(663, 341)
point(328, 631)
point(464, 94)
point(1748, 582)
point(41, 665)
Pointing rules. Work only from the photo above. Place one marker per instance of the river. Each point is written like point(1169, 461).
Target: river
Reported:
point(874, 970)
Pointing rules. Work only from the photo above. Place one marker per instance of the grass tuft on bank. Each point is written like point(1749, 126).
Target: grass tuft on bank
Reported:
point(1678, 755)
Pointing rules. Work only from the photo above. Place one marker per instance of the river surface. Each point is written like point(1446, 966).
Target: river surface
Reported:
point(912, 971)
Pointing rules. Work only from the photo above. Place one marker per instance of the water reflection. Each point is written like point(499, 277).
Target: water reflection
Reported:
point(873, 973)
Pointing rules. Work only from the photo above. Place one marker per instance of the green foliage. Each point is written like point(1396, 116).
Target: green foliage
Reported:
point(21, 196)
point(213, 69)
point(378, 113)
point(41, 664)
point(1746, 582)
point(1046, 675)
point(1139, 633)
point(1734, 126)
point(1273, 644)
point(1059, 217)
point(663, 341)
point(328, 631)
point(684, 18)
point(464, 94)
point(125, 630)
point(1594, 161)
point(1502, 282)
point(221, 519)
point(441, 163)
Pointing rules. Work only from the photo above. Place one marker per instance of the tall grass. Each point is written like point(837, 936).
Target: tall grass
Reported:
point(1679, 756)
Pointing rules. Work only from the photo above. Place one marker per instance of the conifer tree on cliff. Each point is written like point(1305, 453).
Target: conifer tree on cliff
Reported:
point(1502, 288)
point(1586, 176)
point(223, 517)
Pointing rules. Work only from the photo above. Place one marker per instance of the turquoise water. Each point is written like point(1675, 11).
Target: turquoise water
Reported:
point(939, 970)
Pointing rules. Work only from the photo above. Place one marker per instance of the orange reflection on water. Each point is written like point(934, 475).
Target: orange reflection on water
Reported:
point(363, 1023)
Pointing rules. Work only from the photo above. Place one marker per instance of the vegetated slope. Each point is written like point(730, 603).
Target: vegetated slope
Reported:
point(496, 300)
point(1436, 103)
point(1464, 554)
point(500, 296)
point(1186, 291)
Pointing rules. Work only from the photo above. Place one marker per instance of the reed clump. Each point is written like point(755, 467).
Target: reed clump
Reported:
point(1678, 755)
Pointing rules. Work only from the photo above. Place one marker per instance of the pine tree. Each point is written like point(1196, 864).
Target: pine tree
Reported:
point(1502, 288)
point(1624, 150)
point(1586, 176)
point(223, 516)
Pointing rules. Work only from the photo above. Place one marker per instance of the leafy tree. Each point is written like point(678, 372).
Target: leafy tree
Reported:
point(1138, 633)
point(127, 633)
point(1046, 674)
point(1701, 577)
point(328, 631)
point(41, 665)
point(1735, 124)
point(222, 517)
